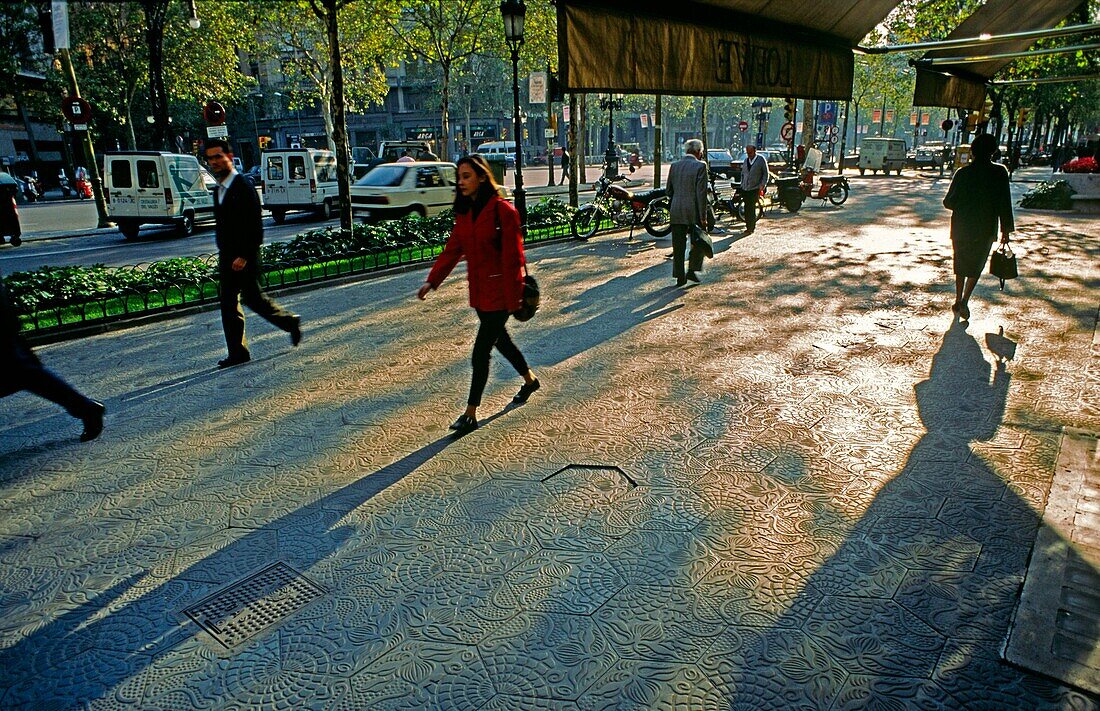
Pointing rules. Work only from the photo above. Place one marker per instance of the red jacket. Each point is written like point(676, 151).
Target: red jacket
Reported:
point(494, 272)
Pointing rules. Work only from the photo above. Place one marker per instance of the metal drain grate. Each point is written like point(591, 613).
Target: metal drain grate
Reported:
point(245, 609)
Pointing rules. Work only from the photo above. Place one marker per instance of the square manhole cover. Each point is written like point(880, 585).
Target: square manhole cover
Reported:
point(250, 606)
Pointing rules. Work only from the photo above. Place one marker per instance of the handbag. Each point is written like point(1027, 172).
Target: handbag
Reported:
point(531, 296)
point(702, 240)
point(1002, 264)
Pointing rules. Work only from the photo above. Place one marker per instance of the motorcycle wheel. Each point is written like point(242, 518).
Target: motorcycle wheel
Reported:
point(838, 194)
point(586, 222)
point(657, 222)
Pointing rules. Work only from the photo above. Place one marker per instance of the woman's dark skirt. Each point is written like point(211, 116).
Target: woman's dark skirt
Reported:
point(970, 255)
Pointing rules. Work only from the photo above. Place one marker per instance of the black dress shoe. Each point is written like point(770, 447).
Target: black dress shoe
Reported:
point(525, 392)
point(93, 422)
point(464, 424)
point(693, 277)
point(232, 361)
point(681, 281)
point(296, 332)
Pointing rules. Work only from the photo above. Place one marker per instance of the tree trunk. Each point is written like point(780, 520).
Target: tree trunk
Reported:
point(808, 119)
point(703, 128)
point(581, 157)
point(18, 93)
point(445, 140)
point(156, 11)
point(572, 148)
point(339, 118)
point(658, 128)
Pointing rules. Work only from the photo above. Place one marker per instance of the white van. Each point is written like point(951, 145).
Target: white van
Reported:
point(299, 179)
point(883, 154)
point(500, 148)
point(151, 187)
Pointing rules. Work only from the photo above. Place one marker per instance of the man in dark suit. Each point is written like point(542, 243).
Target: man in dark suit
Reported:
point(239, 234)
point(21, 370)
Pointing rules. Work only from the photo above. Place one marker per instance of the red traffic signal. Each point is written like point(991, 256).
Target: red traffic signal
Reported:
point(76, 110)
point(213, 113)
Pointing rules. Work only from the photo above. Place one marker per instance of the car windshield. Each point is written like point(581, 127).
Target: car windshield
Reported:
point(719, 155)
point(388, 175)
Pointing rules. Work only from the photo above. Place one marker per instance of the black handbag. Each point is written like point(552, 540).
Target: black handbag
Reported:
point(530, 298)
point(1002, 264)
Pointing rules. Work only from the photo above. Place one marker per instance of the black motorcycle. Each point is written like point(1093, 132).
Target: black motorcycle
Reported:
point(624, 208)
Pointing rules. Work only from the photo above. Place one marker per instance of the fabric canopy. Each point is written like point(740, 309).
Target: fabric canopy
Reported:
point(714, 47)
point(962, 86)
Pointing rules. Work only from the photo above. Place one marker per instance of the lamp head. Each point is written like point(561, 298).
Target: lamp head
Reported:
point(513, 12)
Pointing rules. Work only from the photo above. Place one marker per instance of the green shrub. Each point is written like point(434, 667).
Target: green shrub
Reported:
point(1049, 196)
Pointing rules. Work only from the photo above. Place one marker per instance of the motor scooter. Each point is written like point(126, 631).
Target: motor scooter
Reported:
point(833, 188)
point(64, 184)
point(83, 188)
point(31, 189)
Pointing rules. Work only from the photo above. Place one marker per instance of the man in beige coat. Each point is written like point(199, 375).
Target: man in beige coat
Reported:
point(687, 191)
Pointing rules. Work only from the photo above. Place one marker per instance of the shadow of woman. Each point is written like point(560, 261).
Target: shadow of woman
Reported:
point(912, 608)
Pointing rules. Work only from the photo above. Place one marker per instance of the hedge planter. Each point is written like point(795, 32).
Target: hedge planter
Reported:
point(1086, 187)
point(55, 300)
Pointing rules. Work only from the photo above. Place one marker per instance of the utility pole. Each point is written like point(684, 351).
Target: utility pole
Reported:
point(550, 125)
point(86, 142)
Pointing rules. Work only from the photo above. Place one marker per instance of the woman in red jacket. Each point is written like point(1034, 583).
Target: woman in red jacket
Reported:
point(487, 233)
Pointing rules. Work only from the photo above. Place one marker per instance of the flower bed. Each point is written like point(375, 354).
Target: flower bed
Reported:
point(54, 299)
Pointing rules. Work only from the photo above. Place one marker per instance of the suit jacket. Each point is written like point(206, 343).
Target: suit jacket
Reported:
point(240, 230)
point(756, 177)
point(494, 262)
point(687, 189)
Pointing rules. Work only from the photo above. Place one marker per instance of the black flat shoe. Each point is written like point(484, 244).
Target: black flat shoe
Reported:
point(464, 424)
point(692, 276)
point(525, 392)
point(93, 422)
point(296, 332)
point(230, 362)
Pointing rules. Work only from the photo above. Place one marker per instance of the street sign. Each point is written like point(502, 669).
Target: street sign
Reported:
point(565, 113)
point(743, 125)
point(787, 131)
point(644, 120)
point(826, 112)
point(77, 110)
point(214, 115)
point(548, 133)
point(834, 138)
point(80, 127)
point(217, 131)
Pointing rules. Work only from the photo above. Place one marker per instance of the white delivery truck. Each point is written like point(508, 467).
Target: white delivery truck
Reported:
point(299, 179)
point(156, 188)
point(883, 154)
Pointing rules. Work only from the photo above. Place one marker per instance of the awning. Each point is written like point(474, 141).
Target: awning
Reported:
point(714, 47)
point(963, 85)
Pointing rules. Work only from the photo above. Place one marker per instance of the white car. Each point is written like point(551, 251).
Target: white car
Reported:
point(394, 190)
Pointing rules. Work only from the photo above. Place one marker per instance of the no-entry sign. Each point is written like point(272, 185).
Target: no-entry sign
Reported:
point(744, 125)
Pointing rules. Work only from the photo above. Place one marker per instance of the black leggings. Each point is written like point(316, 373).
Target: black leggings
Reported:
point(491, 333)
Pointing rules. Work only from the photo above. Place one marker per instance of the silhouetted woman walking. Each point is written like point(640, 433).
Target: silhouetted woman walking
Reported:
point(487, 234)
point(979, 199)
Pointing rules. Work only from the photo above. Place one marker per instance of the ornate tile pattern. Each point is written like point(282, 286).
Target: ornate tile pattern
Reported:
point(831, 499)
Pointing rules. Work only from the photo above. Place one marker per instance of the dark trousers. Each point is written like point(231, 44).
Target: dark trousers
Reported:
point(751, 197)
point(26, 373)
point(491, 333)
point(680, 234)
point(244, 287)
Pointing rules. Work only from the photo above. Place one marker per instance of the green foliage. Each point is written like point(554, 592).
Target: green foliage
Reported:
point(549, 211)
point(1049, 196)
point(18, 24)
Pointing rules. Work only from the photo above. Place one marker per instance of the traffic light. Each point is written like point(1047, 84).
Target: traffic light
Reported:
point(264, 141)
point(972, 121)
point(45, 27)
point(788, 110)
point(1022, 119)
point(554, 87)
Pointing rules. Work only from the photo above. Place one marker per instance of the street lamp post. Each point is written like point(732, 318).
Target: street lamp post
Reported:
point(763, 107)
point(513, 13)
point(255, 125)
point(609, 103)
